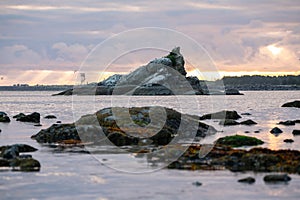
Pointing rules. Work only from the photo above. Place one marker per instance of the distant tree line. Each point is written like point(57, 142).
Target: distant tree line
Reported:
point(261, 80)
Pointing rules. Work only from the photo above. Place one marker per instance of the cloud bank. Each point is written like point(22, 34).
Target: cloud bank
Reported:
point(45, 42)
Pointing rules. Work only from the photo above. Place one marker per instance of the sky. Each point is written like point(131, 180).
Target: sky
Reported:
point(45, 42)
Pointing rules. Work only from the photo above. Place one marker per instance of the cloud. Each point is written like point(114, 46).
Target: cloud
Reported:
point(57, 35)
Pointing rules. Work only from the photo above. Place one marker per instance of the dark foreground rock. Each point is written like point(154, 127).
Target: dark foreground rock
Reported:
point(12, 158)
point(4, 118)
point(123, 126)
point(295, 104)
point(231, 122)
point(33, 117)
point(288, 123)
point(239, 140)
point(296, 132)
point(249, 180)
point(50, 117)
point(225, 114)
point(277, 178)
point(276, 131)
point(239, 160)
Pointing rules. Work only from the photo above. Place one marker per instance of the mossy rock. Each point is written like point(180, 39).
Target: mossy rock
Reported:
point(239, 140)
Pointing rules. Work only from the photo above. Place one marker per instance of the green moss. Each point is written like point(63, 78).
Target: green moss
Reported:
point(239, 140)
point(171, 56)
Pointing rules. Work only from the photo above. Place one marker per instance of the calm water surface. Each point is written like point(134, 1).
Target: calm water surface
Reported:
point(69, 175)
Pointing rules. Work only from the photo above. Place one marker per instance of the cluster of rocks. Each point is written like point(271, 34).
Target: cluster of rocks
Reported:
point(140, 127)
point(4, 118)
point(11, 158)
point(228, 118)
point(271, 178)
point(161, 76)
point(33, 117)
point(239, 160)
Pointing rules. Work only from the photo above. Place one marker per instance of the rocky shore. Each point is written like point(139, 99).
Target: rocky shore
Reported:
point(12, 159)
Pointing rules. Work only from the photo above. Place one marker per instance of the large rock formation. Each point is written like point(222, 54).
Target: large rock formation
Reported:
point(161, 76)
point(123, 126)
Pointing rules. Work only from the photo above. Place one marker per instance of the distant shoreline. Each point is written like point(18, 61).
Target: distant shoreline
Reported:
point(36, 88)
point(249, 87)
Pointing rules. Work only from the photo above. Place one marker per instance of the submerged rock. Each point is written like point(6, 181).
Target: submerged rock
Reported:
point(295, 104)
point(239, 140)
point(50, 117)
point(249, 180)
point(232, 91)
point(33, 117)
point(229, 122)
point(225, 114)
point(288, 140)
point(287, 123)
point(4, 118)
point(276, 131)
point(239, 160)
point(10, 157)
point(277, 178)
point(197, 183)
point(296, 132)
point(248, 122)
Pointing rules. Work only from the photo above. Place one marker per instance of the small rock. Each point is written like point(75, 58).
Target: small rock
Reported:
point(276, 130)
point(50, 117)
point(288, 141)
point(247, 132)
point(248, 180)
point(225, 114)
point(295, 104)
point(0, 130)
point(288, 123)
point(246, 114)
point(277, 178)
point(197, 183)
point(229, 122)
point(248, 122)
point(38, 125)
point(33, 117)
point(296, 132)
point(4, 118)
point(18, 116)
point(58, 122)
point(256, 131)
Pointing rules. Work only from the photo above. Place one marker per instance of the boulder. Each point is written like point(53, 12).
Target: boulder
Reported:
point(295, 104)
point(248, 122)
point(276, 131)
point(50, 117)
point(4, 119)
point(249, 180)
point(288, 140)
point(239, 140)
point(33, 117)
point(277, 178)
point(225, 114)
point(10, 157)
point(133, 132)
point(18, 116)
point(232, 91)
point(229, 122)
point(296, 132)
point(287, 123)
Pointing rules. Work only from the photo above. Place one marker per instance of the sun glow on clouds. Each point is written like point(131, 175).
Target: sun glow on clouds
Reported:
point(274, 50)
point(33, 77)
